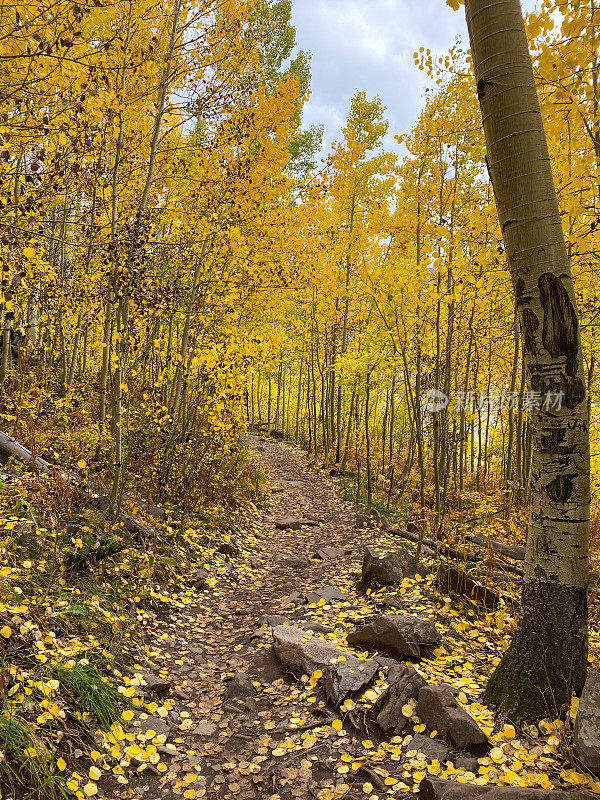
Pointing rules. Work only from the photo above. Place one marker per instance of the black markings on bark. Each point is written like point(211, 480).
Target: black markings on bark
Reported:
point(560, 329)
point(551, 442)
point(530, 326)
point(519, 288)
point(561, 488)
point(575, 392)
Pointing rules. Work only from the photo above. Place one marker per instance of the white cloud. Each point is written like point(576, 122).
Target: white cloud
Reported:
point(368, 45)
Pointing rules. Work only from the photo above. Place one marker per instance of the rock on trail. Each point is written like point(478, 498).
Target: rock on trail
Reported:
point(344, 672)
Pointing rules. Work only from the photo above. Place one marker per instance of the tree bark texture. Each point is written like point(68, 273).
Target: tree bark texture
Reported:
point(547, 657)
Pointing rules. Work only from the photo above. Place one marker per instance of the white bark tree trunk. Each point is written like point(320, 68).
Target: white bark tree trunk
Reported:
point(547, 658)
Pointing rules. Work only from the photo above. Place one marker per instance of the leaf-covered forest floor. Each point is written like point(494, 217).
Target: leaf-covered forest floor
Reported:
point(209, 711)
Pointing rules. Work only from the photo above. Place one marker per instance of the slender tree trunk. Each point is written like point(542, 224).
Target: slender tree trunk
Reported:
point(5, 359)
point(368, 440)
point(547, 657)
point(299, 400)
point(511, 410)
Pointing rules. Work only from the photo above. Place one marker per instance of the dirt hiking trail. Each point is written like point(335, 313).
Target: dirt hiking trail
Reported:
point(241, 725)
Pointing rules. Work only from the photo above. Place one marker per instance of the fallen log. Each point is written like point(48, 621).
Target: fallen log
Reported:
point(11, 448)
point(504, 573)
point(515, 552)
point(461, 555)
point(436, 547)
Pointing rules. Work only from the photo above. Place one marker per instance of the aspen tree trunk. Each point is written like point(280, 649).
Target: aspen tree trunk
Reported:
point(283, 396)
point(368, 439)
point(277, 402)
point(349, 428)
point(299, 399)
point(463, 408)
point(547, 657)
point(384, 427)
point(5, 358)
point(344, 332)
point(519, 436)
point(181, 373)
point(85, 351)
point(392, 417)
point(110, 294)
point(511, 415)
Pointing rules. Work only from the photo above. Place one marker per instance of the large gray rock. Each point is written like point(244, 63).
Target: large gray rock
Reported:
point(390, 568)
point(404, 685)
point(296, 648)
point(401, 633)
point(331, 594)
point(156, 683)
point(587, 724)
point(295, 523)
point(432, 749)
point(440, 711)
point(434, 789)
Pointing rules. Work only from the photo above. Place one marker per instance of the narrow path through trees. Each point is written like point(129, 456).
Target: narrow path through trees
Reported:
point(228, 727)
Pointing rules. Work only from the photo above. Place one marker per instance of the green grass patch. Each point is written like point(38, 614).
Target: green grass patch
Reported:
point(90, 690)
point(26, 762)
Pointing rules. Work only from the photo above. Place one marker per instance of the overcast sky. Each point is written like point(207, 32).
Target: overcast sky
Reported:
point(368, 45)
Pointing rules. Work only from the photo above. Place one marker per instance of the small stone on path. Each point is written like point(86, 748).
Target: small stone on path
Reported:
point(205, 729)
point(432, 748)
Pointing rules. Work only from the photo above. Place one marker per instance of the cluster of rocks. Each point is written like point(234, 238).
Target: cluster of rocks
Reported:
point(410, 637)
point(436, 789)
point(345, 673)
point(402, 635)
